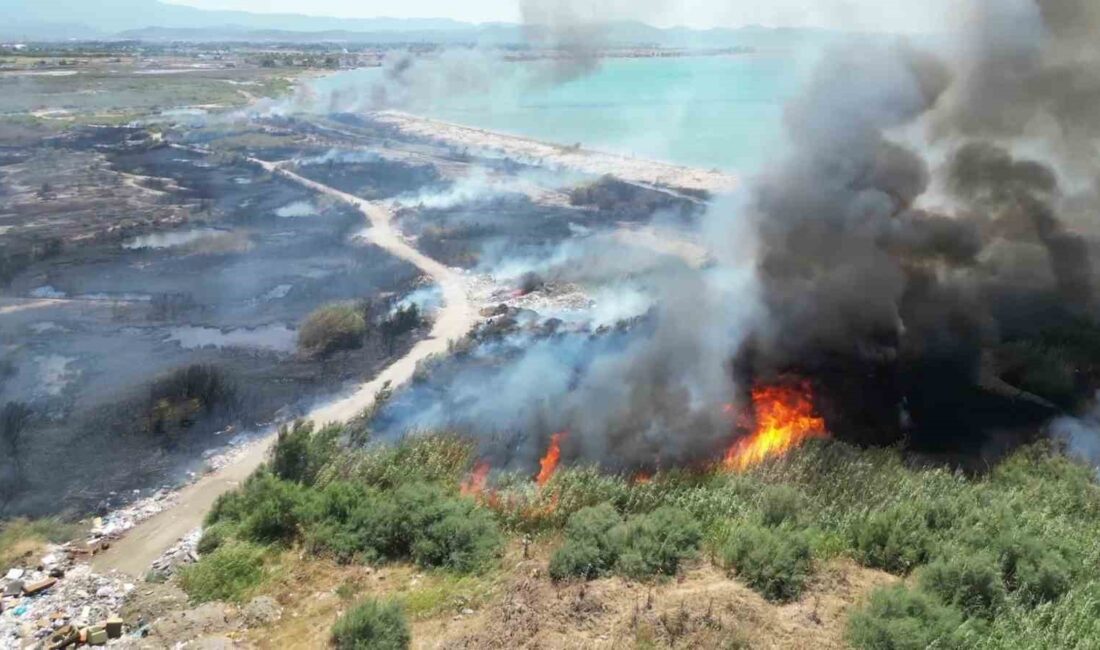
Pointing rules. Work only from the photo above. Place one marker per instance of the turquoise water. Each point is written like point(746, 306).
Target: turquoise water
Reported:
point(714, 112)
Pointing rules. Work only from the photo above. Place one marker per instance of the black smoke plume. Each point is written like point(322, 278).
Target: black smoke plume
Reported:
point(910, 257)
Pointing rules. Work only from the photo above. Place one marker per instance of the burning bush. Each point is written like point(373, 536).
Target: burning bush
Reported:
point(372, 624)
point(774, 562)
point(332, 328)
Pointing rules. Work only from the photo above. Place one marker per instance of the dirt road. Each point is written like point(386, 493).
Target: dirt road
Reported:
point(134, 553)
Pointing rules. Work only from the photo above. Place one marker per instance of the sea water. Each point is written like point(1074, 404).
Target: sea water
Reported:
point(723, 112)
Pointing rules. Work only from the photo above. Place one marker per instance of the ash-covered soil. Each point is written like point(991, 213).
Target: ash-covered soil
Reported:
point(151, 310)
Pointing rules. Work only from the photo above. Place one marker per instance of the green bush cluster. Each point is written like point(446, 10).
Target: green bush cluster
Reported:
point(599, 541)
point(371, 625)
point(300, 454)
point(228, 573)
point(265, 510)
point(384, 511)
point(418, 521)
point(898, 618)
point(895, 540)
point(971, 583)
point(775, 562)
point(351, 521)
point(996, 557)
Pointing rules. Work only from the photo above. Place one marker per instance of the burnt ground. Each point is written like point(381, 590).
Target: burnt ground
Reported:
point(128, 260)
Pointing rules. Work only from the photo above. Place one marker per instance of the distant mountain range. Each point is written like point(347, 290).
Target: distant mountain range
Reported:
point(152, 20)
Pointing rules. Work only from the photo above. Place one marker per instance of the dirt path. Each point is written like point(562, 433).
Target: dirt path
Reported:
point(134, 553)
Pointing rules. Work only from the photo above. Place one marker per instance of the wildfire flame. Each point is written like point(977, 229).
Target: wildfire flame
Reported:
point(548, 464)
point(785, 418)
point(474, 485)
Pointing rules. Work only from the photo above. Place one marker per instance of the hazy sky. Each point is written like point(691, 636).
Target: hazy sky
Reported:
point(885, 15)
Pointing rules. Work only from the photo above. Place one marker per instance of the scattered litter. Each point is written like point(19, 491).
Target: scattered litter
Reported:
point(55, 612)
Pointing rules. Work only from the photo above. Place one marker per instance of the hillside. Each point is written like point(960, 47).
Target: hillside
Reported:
point(152, 20)
point(786, 554)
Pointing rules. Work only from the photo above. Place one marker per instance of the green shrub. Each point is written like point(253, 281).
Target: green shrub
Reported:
point(464, 538)
point(597, 541)
point(776, 563)
point(1034, 571)
point(229, 573)
point(331, 328)
point(299, 454)
point(1073, 621)
point(971, 583)
point(425, 517)
point(656, 543)
point(213, 537)
point(780, 504)
point(417, 521)
point(894, 540)
point(897, 618)
point(593, 541)
point(372, 625)
point(578, 560)
point(265, 508)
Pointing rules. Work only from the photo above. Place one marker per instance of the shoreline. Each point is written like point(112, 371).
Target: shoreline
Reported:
point(653, 173)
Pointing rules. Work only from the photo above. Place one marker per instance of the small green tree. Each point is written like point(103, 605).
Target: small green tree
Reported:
point(372, 625)
point(895, 540)
point(229, 573)
point(970, 582)
point(897, 618)
point(776, 563)
point(593, 541)
point(656, 543)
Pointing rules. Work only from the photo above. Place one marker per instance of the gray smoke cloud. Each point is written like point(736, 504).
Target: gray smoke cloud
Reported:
point(1030, 69)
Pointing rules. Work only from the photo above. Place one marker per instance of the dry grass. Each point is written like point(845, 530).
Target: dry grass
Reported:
point(520, 607)
point(23, 540)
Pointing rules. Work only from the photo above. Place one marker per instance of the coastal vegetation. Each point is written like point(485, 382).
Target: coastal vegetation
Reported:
point(976, 561)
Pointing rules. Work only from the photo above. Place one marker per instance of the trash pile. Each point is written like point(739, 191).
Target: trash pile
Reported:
point(118, 521)
point(60, 603)
point(184, 552)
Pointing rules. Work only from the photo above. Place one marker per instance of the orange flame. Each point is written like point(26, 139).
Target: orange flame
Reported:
point(642, 477)
point(785, 418)
point(474, 485)
point(548, 464)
